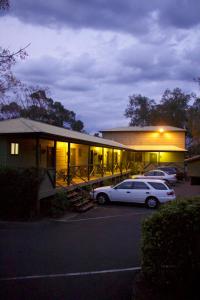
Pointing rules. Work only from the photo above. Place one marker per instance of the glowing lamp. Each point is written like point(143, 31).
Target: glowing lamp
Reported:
point(161, 130)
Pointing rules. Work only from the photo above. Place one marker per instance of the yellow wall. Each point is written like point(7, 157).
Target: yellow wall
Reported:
point(79, 155)
point(61, 155)
point(165, 157)
point(147, 138)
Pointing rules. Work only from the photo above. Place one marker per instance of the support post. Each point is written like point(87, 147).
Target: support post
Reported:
point(121, 162)
point(54, 152)
point(68, 165)
point(88, 168)
point(102, 161)
point(37, 162)
point(112, 161)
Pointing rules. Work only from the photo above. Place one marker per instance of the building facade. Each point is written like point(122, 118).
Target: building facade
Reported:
point(153, 145)
point(66, 158)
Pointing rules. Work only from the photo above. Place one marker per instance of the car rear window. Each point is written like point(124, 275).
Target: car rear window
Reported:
point(158, 185)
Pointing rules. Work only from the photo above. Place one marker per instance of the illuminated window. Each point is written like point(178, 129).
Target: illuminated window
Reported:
point(14, 148)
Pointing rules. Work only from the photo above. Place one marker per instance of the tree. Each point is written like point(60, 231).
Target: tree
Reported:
point(4, 4)
point(139, 110)
point(37, 106)
point(173, 108)
point(9, 84)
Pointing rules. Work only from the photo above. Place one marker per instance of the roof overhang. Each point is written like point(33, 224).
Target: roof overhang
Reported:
point(193, 159)
point(157, 148)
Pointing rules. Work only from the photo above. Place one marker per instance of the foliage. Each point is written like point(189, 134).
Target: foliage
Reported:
point(27, 101)
point(139, 110)
point(171, 247)
point(4, 4)
point(176, 108)
point(60, 203)
point(19, 188)
point(39, 107)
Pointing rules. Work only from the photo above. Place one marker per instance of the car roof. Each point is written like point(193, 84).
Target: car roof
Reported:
point(155, 170)
point(145, 180)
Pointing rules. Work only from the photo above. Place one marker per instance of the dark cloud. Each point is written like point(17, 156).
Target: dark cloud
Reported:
point(133, 16)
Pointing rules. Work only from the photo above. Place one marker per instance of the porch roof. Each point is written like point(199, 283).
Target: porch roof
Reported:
point(157, 148)
point(26, 126)
point(143, 129)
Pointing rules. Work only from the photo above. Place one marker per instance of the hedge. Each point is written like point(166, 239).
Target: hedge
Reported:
point(18, 190)
point(171, 249)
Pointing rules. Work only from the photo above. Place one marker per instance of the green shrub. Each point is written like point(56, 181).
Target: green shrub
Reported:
point(171, 247)
point(60, 203)
point(18, 188)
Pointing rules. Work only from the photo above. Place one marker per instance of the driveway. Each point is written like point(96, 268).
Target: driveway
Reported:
point(90, 256)
point(94, 255)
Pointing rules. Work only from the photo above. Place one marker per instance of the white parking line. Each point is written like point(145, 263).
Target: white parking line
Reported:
point(99, 218)
point(71, 274)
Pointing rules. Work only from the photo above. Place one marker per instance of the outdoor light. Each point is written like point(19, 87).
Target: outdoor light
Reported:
point(161, 130)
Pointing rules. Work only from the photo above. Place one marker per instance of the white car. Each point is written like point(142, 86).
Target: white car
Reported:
point(151, 192)
point(158, 174)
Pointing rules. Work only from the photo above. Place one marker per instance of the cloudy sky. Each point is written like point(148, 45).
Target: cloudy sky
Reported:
point(93, 54)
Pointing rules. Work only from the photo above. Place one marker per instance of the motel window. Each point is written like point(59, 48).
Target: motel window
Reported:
point(14, 148)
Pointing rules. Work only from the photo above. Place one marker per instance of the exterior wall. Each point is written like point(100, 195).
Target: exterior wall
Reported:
point(147, 138)
point(79, 154)
point(165, 157)
point(3, 152)
point(26, 157)
point(45, 146)
point(61, 155)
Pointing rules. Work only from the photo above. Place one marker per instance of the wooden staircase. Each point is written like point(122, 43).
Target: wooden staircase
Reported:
point(79, 200)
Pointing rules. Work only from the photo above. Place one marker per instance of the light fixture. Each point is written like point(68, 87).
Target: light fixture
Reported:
point(161, 130)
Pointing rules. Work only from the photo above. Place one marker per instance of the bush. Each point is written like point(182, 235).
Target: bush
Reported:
point(171, 249)
point(60, 203)
point(19, 189)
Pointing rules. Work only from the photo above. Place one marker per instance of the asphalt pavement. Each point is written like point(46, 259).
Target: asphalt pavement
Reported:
point(94, 255)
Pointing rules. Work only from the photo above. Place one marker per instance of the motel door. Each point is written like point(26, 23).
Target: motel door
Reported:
point(153, 158)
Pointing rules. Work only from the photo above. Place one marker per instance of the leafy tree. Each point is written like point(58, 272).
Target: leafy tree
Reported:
point(39, 107)
point(139, 110)
point(4, 4)
point(193, 126)
point(173, 108)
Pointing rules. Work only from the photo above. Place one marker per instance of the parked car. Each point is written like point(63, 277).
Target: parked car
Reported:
point(158, 174)
point(151, 192)
point(173, 170)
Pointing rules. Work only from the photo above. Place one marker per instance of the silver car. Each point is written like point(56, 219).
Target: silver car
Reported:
point(158, 174)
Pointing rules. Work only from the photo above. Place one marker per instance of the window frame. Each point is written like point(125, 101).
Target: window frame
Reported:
point(14, 148)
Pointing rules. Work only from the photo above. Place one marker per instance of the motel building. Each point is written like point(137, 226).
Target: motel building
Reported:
point(66, 158)
point(152, 145)
point(69, 159)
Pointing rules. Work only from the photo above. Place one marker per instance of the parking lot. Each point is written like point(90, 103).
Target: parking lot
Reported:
point(94, 255)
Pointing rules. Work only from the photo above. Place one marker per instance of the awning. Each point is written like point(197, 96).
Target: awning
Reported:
point(157, 148)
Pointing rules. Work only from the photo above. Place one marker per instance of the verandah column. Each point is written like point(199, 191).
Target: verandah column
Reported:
point(68, 165)
point(37, 162)
point(54, 161)
point(112, 161)
point(88, 168)
point(102, 161)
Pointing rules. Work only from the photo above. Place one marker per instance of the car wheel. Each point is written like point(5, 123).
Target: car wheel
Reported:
point(152, 202)
point(102, 198)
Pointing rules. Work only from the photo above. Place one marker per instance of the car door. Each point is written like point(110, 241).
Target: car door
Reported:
point(121, 192)
point(140, 191)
